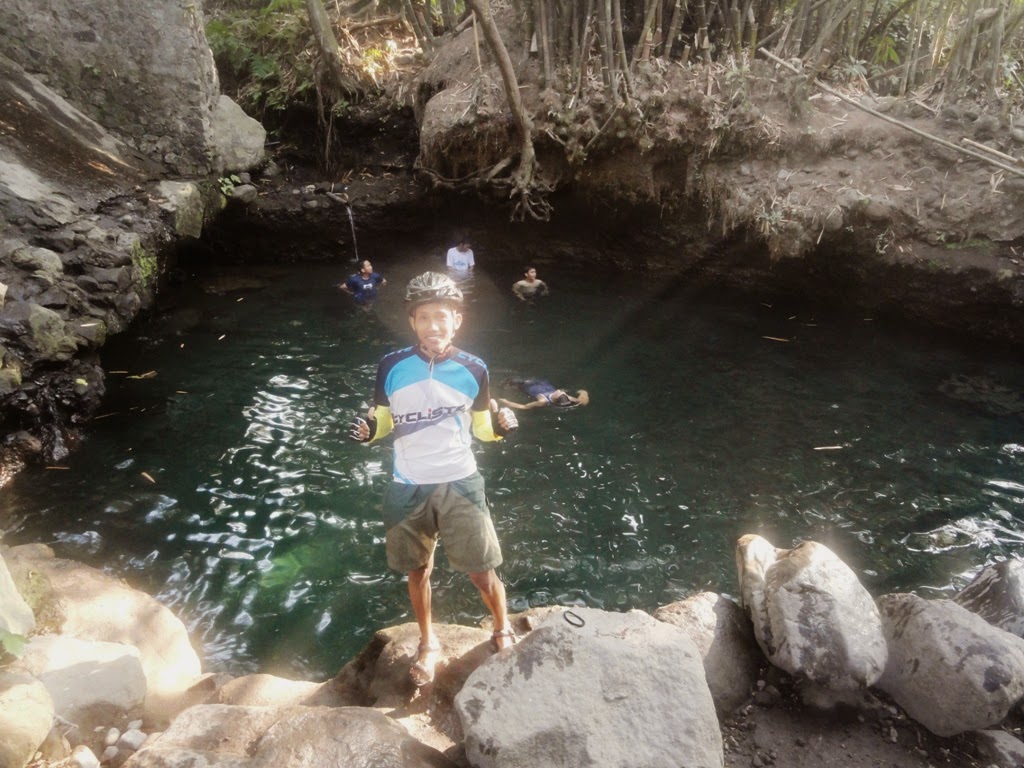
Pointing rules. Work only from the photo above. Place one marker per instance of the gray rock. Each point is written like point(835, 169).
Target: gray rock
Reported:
point(110, 754)
point(997, 595)
point(949, 669)
point(608, 693)
point(1017, 134)
point(83, 757)
point(878, 209)
point(3, 295)
point(185, 201)
point(38, 260)
point(245, 193)
point(266, 690)
point(237, 139)
point(723, 635)
point(132, 739)
point(811, 615)
point(26, 715)
point(220, 736)
point(15, 615)
point(44, 330)
point(90, 682)
point(999, 748)
point(90, 605)
point(118, 277)
point(111, 737)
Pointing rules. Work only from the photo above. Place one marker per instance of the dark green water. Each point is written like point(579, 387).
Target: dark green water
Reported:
point(262, 531)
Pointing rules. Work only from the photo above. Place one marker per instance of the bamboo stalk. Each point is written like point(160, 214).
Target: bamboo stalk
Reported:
point(641, 51)
point(620, 49)
point(678, 13)
point(996, 55)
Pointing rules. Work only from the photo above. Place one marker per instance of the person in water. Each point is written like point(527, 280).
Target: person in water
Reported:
point(364, 283)
point(424, 394)
point(529, 287)
point(544, 393)
point(460, 258)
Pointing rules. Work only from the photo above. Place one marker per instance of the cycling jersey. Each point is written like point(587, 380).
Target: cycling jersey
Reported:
point(432, 405)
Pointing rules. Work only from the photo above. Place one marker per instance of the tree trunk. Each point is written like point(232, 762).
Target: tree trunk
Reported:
point(523, 178)
point(327, 43)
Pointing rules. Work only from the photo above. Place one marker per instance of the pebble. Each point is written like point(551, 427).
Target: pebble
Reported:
point(132, 739)
point(892, 735)
point(134, 725)
point(111, 738)
point(83, 757)
point(109, 754)
point(757, 762)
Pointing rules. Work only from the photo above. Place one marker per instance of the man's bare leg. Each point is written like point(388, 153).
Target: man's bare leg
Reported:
point(493, 593)
point(422, 671)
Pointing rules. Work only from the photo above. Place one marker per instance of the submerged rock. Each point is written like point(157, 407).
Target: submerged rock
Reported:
point(997, 595)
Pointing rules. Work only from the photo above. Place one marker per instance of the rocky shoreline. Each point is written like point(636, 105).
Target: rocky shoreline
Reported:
point(108, 676)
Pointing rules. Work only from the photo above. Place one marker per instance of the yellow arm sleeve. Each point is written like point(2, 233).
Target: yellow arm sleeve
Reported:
point(482, 427)
point(384, 423)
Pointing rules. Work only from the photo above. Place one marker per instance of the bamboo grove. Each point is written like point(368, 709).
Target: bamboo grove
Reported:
point(891, 46)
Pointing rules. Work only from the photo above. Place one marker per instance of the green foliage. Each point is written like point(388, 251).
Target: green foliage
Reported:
point(228, 183)
point(266, 48)
point(146, 266)
point(11, 643)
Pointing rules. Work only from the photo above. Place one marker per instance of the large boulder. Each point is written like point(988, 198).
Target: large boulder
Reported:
point(218, 735)
point(379, 677)
point(82, 602)
point(264, 690)
point(237, 138)
point(811, 615)
point(949, 669)
point(997, 595)
point(723, 635)
point(144, 70)
point(16, 616)
point(607, 689)
point(91, 683)
point(26, 716)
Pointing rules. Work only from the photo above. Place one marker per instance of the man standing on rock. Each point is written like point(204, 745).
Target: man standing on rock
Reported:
point(431, 395)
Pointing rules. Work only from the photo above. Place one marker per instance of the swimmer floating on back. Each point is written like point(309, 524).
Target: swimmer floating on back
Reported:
point(544, 393)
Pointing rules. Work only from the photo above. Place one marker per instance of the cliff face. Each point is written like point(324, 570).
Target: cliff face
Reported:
point(90, 208)
point(143, 70)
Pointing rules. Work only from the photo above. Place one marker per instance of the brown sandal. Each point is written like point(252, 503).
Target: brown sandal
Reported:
point(422, 670)
point(498, 634)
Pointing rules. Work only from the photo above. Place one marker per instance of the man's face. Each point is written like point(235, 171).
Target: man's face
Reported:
point(367, 268)
point(531, 275)
point(435, 325)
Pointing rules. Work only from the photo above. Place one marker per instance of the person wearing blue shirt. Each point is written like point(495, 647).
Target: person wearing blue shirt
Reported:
point(430, 398)
point(364, 283)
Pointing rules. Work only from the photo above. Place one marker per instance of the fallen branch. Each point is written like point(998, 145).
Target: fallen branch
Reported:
point(374, 23)
point(852, 102)
point(996, 152)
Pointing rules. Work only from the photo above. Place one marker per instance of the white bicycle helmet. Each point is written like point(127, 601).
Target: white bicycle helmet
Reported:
point(432, 286)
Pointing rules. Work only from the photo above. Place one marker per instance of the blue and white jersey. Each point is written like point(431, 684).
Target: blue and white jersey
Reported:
point(432, 406)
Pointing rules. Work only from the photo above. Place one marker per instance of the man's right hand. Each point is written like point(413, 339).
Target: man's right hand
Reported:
point(362, 430)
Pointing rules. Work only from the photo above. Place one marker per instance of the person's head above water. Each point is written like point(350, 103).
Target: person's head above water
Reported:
point(434, 302)
point(531, 273)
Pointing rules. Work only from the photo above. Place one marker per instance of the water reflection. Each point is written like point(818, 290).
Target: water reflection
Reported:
point(261, 523)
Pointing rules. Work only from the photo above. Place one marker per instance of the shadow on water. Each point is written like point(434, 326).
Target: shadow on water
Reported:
point(219, 477)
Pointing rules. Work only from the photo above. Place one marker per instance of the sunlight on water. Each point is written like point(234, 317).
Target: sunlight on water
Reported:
point(262, 527)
